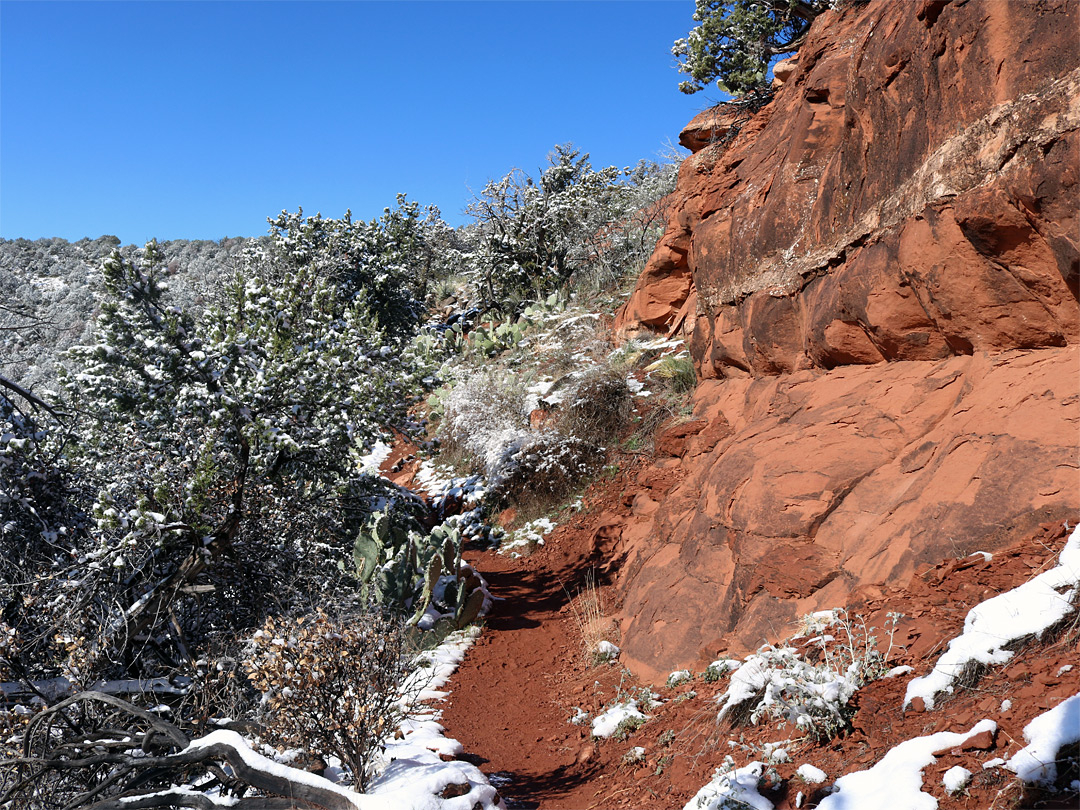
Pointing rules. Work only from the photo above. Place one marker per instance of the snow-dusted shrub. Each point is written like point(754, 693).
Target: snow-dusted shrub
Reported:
point(717, 669)
point(221, 444)
point(331, 685)
point(635, 756)
point(780, 683)
point(547, 468)
point(531, 236)
point(392, 259)
point(484, 422)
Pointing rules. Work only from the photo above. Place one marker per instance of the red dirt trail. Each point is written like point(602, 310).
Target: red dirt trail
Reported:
point(512, 698)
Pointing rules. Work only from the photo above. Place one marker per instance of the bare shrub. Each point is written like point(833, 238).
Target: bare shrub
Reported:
point(547, 469)
point(332, 685)
point(598, 407)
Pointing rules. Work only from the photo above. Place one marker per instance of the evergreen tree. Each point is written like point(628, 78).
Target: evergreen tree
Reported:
point(735, 40)
point(231, 435)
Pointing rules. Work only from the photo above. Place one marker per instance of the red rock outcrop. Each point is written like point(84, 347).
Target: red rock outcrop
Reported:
point(878, 276)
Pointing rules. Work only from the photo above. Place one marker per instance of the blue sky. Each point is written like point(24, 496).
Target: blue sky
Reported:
point(199, 120)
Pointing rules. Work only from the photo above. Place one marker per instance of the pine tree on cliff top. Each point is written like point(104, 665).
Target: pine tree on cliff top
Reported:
point(735, 40)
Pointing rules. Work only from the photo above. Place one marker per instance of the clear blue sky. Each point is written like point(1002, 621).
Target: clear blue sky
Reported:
point(199, 120)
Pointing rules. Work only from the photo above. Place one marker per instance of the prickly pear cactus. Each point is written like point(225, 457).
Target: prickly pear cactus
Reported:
point(470, 610)
point(407, 572)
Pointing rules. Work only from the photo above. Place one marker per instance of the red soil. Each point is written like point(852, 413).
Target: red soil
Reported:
point(512, 698)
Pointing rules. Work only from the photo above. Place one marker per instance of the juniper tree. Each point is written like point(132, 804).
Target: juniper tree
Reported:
point(735, 40)
point(532, 235)
point(228, 435)
point(391, 260)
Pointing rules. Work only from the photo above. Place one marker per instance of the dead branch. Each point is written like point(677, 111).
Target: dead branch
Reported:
point(93, 744)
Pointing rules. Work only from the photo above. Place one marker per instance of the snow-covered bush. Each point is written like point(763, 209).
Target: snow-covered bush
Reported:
point(331, 685)
point(619, 720)
point(780, 683)
point(732, 788)
point(531, 236)
point(393, 259)
point(717, 669)
point(547, 468)
point(678, 677)
point(485, 422)
point(221, 444)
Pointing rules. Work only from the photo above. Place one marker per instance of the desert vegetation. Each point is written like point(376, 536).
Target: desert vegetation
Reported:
point(185, 521)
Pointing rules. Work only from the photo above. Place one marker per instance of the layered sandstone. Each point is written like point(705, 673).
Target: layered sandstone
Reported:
point(878, 276)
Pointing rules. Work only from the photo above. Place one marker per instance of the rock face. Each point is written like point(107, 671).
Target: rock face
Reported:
point(878, 276)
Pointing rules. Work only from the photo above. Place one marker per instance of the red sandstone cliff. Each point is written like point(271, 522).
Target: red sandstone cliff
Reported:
point(878, 277)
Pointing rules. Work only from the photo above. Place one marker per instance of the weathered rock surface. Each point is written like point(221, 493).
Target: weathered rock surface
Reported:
point(823, 484)
point(878, 275)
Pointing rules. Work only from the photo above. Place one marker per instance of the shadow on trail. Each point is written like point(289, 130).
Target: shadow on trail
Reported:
point(524, 596)
point(544, 789)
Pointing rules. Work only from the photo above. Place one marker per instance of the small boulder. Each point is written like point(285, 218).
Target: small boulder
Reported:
point(707, 127)
point(783, 70)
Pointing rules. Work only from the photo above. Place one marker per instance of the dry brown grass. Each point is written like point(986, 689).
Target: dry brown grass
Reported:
point(588, 609)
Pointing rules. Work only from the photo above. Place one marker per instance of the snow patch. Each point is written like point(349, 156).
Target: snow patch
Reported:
point(1029, 609)
point(811, 774)
point(374, 458)
point(895, 782)
point(605, 649)
point(530, 535)
point(1046, 735)
point(956, 779)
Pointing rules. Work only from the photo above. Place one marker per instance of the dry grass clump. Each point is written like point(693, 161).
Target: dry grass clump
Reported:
point(678, 374)
point(588, 609)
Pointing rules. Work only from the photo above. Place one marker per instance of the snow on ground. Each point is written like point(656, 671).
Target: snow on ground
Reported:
point(257, 762)
point(895, 782)
point(1029, 609)
point(442, 485)
point(539, 394)
point(732, 787)
point(414, 775)
point(530, 535)
point(607, 723)
point(1046, 735)
point(374, 458)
